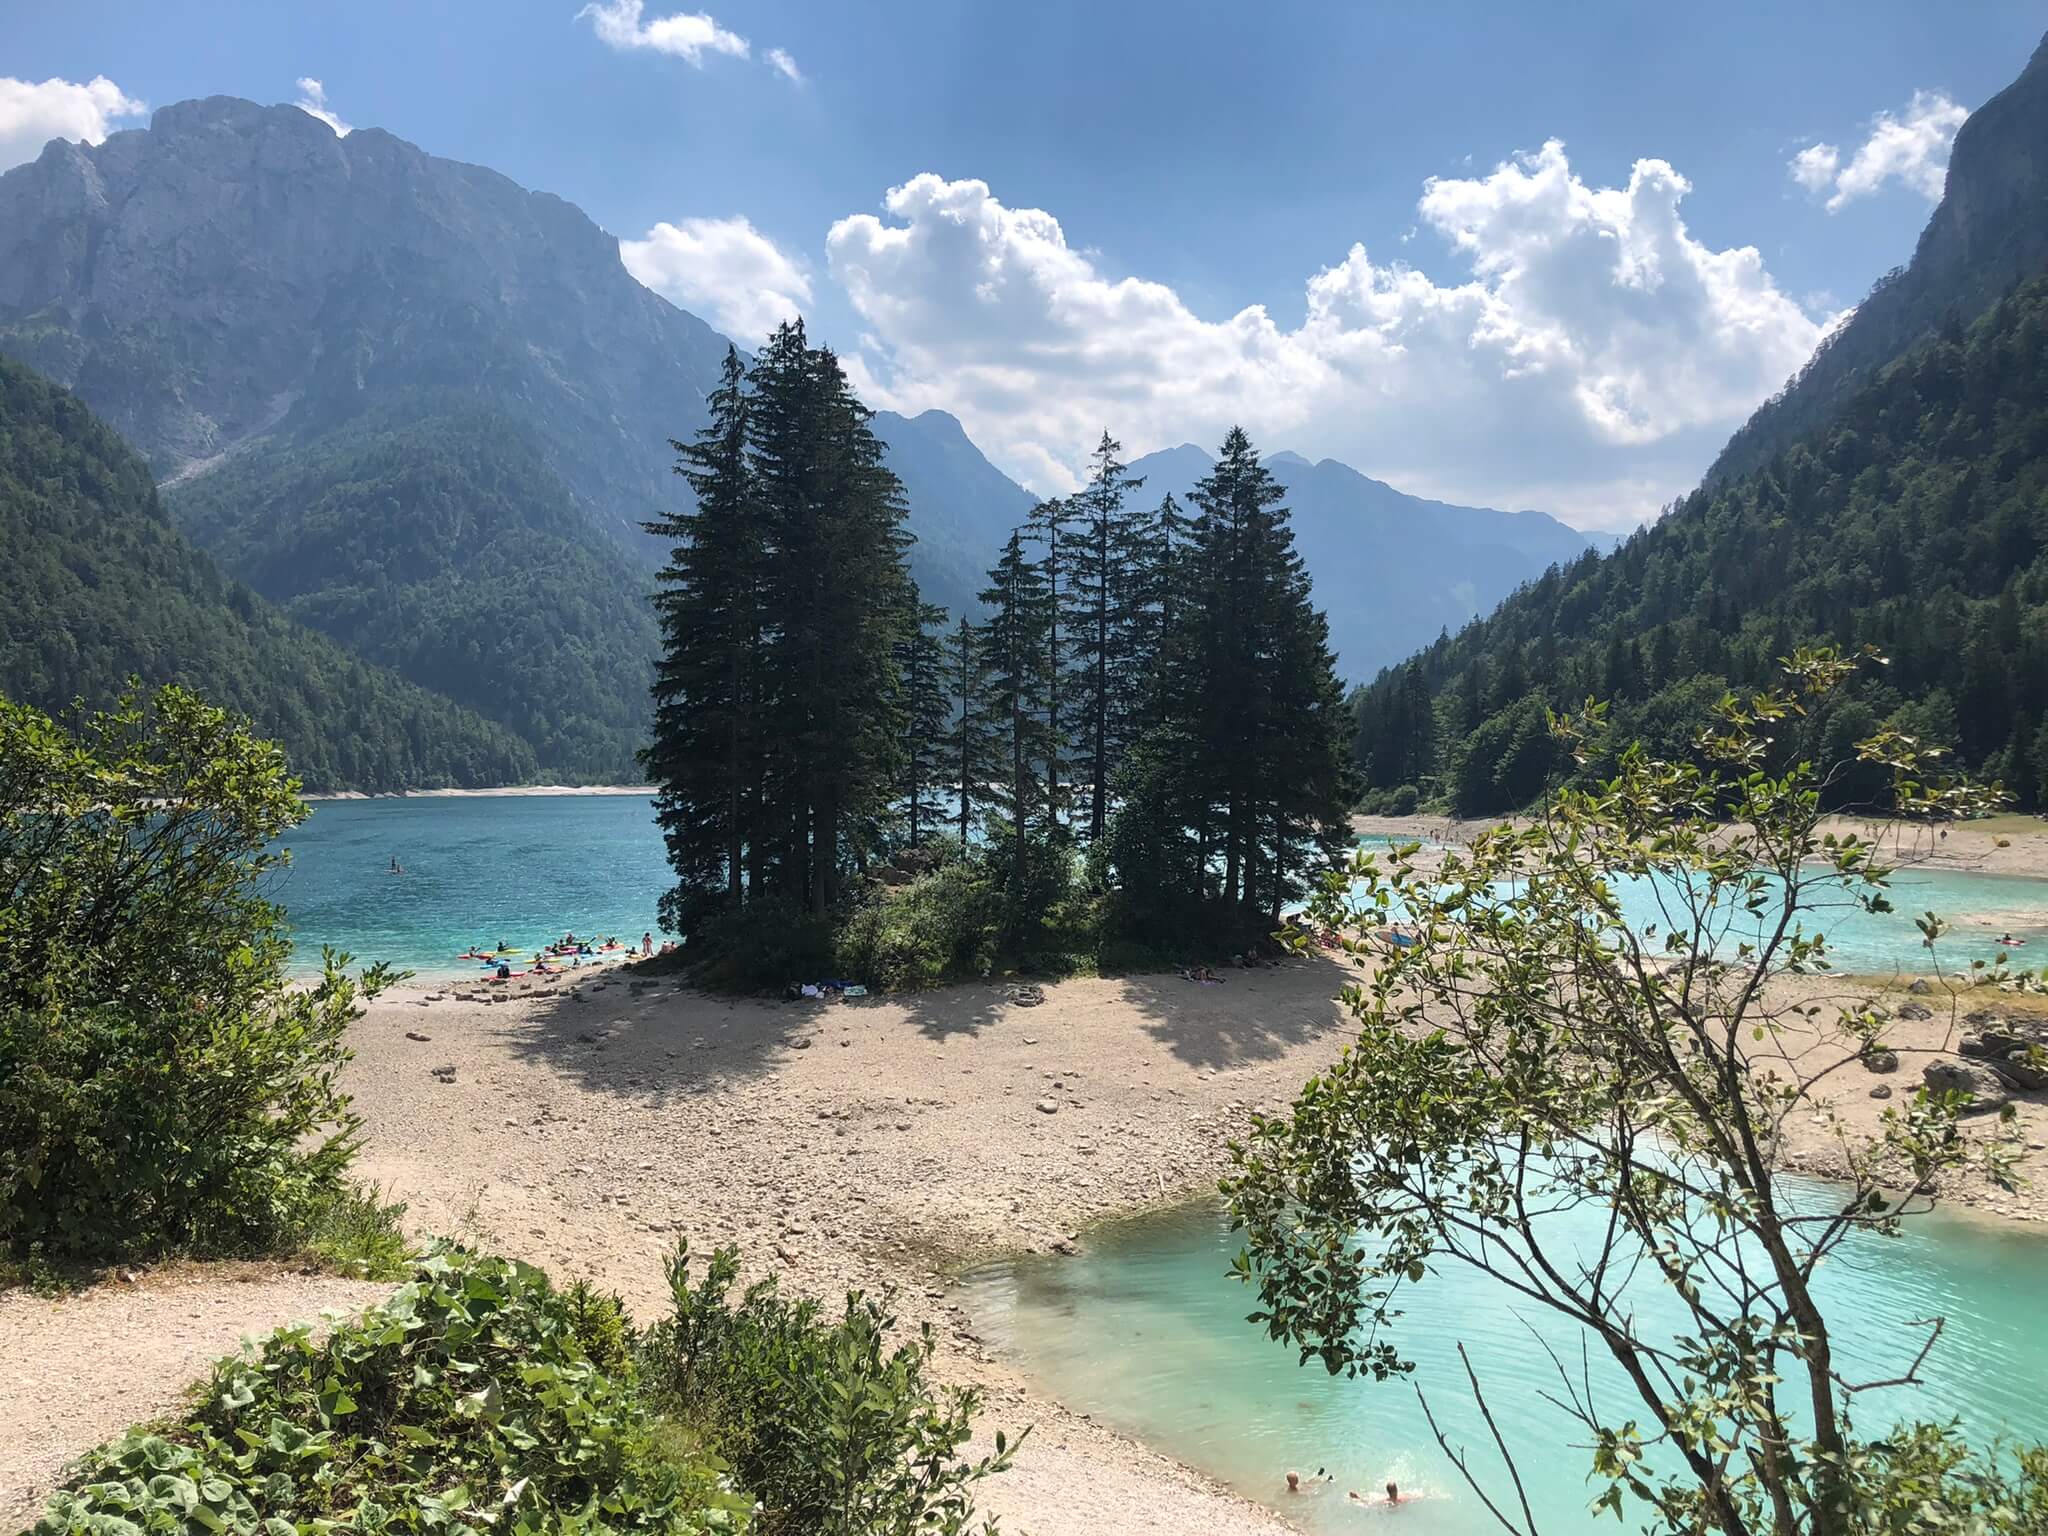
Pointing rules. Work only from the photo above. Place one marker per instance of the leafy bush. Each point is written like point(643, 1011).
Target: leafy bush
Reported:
point(839, 1435)
point(162, 1087)
point(469, 1400)
point(939, 927)
point(481, 1396)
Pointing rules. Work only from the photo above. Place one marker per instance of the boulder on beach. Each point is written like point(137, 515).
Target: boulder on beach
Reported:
point(1986, 1088)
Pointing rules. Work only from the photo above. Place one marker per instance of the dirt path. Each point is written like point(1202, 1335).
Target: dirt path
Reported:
point(78, 1370)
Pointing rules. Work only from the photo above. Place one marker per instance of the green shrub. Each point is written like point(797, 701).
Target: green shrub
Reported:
point(162, 1086)
point(837, 1434)
point(468, 1401)
point(939, 927)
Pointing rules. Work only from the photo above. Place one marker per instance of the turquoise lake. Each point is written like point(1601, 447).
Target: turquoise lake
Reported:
point(524, 868)
point(517, 869)
point(1146, 1330)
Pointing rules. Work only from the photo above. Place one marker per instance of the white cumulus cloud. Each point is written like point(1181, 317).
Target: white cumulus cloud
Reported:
point(313, 102)
point(1909, 147)
point(687, 35)
point(31, 115)
point(1590, 362)
point(723, 269)
point(1814, 167)
point(785, 66)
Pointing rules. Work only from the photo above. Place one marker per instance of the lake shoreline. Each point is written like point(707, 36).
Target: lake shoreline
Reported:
point(587, 1123)
point(504, 791)
point(2001, 845)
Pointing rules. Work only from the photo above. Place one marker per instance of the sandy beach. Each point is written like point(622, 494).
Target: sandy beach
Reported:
point(588, 1123)
point(1999, 845)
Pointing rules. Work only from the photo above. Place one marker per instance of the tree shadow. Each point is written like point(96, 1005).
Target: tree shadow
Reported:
point(963, 1009)
point(1248, 1017)
point(657, 1039)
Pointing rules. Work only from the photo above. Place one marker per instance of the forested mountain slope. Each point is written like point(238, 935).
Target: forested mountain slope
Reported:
point(1915, 521)
point(428, 535)
point(425, 409)
point(1895, 495)
point(1989, 233)
point(95, 585)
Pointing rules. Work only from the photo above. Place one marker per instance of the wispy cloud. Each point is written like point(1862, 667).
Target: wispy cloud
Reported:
point(313, 102)
point(785, 65)
point(687, 35)
point(31, 115)
point(1910, 147)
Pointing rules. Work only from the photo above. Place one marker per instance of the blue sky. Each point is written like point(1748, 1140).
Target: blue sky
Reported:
point(1108, 188)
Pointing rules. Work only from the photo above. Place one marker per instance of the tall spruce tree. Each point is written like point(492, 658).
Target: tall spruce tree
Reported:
point(838, 589)
point(972, 743)
point(779, 710)
point(925, 758)
point(1250, 698)
point(1102, 604)
point(1052, 525)
point(1155, 597)
point(1016, 702)
point(705, 743)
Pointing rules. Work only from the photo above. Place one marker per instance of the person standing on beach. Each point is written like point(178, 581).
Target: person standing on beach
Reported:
point(647, 944)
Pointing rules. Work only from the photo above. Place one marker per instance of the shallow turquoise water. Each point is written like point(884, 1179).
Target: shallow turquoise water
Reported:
point(516, 869)
point(1146, 1330)
point(1978, 908)
point(523, 869)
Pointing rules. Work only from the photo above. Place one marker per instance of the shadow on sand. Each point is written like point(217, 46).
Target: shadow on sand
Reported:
point(659, 1040)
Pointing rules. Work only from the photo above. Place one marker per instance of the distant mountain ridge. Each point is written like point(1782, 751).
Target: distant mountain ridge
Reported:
point(1392, 571)
point(1988, 233)
point(426, 410)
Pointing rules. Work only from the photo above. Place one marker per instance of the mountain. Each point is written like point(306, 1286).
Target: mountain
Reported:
point(96, 585)
point(1897, 499)
point(421, 408)
point(1989, 233)
point(962, 506)
point(1392, 571)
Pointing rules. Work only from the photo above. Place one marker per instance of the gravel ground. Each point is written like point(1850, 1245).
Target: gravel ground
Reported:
point(588, 1126)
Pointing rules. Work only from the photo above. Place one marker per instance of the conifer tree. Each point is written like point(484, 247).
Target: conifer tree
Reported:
point(779, 712)
point(1017, 649)
point(972, 741)
point(1252, 691)
point(705, 745)
point(925, 758)
point(1157, 574)
point(1052, 524)
point(838, 589)
point(1102, 603)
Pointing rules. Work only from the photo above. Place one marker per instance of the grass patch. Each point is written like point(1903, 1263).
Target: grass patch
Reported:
point(352, 1230)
